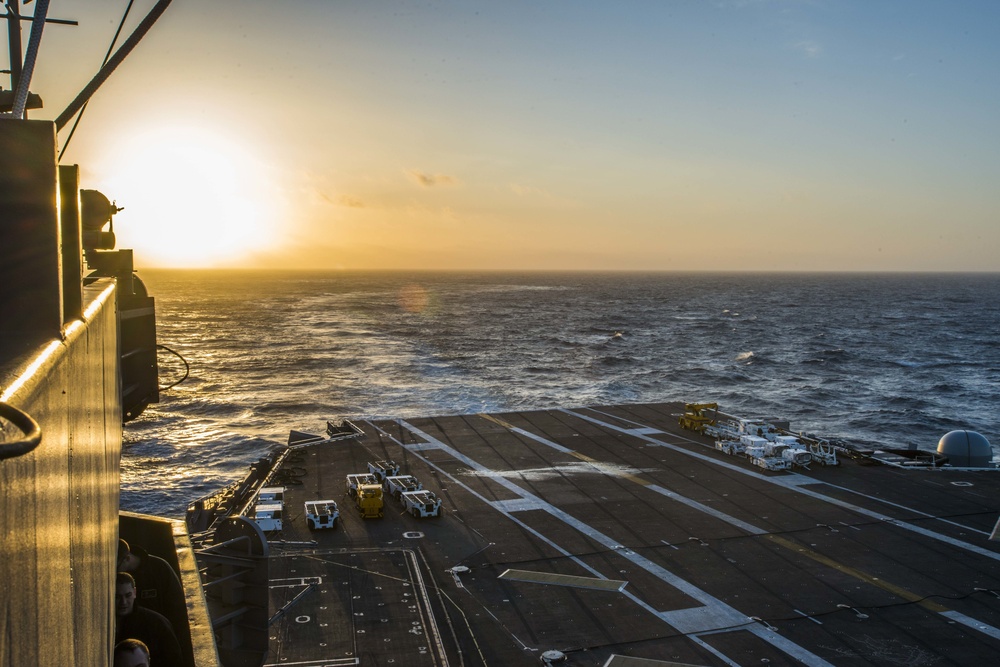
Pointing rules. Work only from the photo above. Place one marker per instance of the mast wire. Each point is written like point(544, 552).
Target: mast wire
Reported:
point(107, 56)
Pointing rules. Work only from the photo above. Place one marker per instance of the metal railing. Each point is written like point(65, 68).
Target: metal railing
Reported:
point(28, 426)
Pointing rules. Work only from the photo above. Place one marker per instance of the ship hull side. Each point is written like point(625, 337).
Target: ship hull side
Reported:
point(59, 503)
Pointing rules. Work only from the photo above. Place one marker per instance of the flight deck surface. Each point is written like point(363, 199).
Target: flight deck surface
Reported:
point(609, 531)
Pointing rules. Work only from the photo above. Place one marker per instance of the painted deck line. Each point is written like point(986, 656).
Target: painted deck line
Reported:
point(801, 489)
point(909, 509)
point(903, 524)
point(714, 651)
point(973, 624)
point(677, 448)
point(711, 511)
point(516, 505)
point(413, 579)
point(715, 615)
point(897, 590)
point(538, 503)
point(572, 581)
point(527, 434)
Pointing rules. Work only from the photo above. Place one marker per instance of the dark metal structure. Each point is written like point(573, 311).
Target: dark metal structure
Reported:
point(77, 358)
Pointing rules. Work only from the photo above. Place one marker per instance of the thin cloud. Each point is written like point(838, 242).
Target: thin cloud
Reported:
point(808, 48)
point(526, 190)
point(425, 180)
point(339, 200)
point(350, 202)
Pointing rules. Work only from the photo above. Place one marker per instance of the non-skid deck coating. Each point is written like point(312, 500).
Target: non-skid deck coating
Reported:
point(726, 564)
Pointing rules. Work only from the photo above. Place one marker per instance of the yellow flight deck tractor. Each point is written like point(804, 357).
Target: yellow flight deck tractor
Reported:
point(369, 501)
point(694, 417)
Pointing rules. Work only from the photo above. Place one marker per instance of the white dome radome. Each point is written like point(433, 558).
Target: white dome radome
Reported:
point(966, 449)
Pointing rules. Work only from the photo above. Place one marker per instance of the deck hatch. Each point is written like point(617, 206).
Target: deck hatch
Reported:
point(564, 580)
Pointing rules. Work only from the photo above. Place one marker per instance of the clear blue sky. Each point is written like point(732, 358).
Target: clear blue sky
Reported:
point(666, 134)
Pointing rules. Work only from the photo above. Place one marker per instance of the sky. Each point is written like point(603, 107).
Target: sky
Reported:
point(678, 135)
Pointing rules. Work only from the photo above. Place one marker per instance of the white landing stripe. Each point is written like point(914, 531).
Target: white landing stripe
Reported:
point(647, 430)
point(714, 651)
point(660, 443)
point(518, 505)
point(421, 446)
point(799, 488)
point(909, 509)
point(538, 438)
point(715, 615)
point(902, 524)
point(742, 525)
point(786, 645)
point(972, 623)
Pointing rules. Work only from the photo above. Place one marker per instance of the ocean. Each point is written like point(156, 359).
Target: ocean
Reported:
point(875, 359)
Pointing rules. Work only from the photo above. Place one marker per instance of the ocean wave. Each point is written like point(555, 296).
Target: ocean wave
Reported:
point(321, 347)
point(907, 363)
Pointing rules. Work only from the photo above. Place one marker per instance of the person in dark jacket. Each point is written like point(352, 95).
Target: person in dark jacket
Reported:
point(135, 622)
point(131, 653)
point(157, 586)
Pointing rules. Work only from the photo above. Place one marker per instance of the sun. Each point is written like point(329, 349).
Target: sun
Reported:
point(191, 197)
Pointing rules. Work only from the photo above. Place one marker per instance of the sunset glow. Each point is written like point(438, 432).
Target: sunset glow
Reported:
point(730, 135)
point(190, 199)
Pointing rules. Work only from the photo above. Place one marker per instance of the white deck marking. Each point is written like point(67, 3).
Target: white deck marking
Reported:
point(647, 430)
point(714, 615)
point(714, 651)
point(743, 525)
point(902, 524)
point(805, 615)
point(908, 509)
point(517, 505)
point(722, 516)
point(799, 488)
point(684, 618)
point(544, 441)
point(972, 623)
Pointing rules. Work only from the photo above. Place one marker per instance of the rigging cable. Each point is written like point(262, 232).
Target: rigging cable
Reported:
point(187, 367)
point(120, 55)
point(107, 56)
